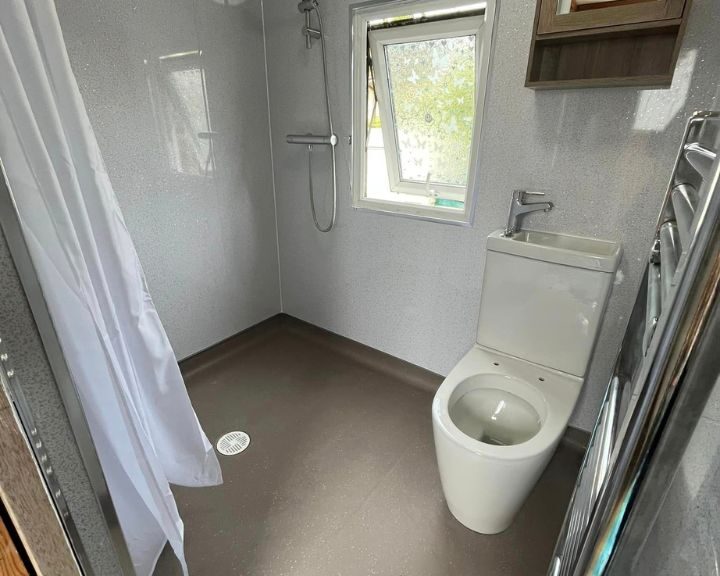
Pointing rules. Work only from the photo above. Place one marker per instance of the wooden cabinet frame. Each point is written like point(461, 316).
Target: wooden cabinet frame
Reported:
point(550, 22)
point(634, 44)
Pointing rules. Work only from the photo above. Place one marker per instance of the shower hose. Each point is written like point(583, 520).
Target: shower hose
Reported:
point(333, 139)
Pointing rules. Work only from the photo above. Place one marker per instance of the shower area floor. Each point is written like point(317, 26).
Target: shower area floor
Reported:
point(340, 476)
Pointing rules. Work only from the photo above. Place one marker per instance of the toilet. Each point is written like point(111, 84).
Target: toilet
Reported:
point(500, 413)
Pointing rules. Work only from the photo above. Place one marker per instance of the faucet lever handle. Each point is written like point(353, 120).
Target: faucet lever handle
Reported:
point(521, 195)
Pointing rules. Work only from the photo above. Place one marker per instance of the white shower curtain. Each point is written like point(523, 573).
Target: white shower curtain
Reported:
point(143, 425)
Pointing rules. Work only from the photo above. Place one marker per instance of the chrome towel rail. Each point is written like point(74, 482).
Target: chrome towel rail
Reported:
point(674, 309)
point(670, 251)
point(597, 460)
point(700, 158)
point(654, 300)
point(684, 202)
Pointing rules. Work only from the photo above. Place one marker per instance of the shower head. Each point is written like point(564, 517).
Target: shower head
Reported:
point(307, 5)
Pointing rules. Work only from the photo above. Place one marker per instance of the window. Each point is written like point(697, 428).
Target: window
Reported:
point(418, 89)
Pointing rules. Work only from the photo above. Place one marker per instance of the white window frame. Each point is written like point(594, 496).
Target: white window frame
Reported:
point(462, 25)
point(379, 39)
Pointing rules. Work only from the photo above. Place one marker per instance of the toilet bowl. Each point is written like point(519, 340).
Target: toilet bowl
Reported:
point(500, 413)
point(495, 430)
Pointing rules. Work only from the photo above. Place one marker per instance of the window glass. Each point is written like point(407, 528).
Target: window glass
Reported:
point(378, 184)
point(432, 87)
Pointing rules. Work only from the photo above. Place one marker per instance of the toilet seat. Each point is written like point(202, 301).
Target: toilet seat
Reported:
point(553, 398)
point(484, 409)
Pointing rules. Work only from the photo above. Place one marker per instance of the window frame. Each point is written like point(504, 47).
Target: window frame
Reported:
point(361, 16)
point(424, 31)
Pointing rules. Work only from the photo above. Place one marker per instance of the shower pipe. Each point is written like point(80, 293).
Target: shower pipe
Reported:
point(312, 140)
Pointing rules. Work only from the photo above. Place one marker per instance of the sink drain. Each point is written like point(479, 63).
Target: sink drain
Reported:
point(233, 443)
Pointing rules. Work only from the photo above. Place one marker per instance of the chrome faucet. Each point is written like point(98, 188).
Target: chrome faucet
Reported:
point(519, 207)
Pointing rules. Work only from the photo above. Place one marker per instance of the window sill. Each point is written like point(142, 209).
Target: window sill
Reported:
point(417, 212)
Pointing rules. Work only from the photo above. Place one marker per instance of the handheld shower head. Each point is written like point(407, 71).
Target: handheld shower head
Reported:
point(307, 5)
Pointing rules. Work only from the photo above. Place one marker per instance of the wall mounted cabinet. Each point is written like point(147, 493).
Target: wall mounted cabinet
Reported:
point(591, 43)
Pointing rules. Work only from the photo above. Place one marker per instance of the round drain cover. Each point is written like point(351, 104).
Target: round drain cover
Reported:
point(233, 443)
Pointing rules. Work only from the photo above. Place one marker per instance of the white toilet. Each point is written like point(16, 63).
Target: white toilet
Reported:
point(502, 410)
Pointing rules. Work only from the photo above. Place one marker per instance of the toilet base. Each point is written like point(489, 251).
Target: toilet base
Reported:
point(484, 494)
point(487, 528)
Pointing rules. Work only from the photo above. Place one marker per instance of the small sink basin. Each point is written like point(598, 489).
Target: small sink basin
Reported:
point(559, 248)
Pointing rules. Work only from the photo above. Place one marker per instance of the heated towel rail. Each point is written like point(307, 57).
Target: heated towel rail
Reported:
point(663, 374)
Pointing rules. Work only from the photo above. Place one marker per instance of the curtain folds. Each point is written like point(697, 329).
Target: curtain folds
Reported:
point(143, 425)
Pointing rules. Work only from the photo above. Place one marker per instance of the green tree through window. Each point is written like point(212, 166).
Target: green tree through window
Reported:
point(432, 86)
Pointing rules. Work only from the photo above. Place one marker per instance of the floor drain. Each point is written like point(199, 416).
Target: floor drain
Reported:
point(233, 443)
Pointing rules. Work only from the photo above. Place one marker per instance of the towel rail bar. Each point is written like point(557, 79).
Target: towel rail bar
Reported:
point(669, 257)
point(603, 526)
point(684, 202)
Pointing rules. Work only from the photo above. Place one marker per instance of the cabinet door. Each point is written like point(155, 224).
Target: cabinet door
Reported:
point(567, 15)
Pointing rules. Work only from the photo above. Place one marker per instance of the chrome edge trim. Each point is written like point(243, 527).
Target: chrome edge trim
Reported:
point(10, 382)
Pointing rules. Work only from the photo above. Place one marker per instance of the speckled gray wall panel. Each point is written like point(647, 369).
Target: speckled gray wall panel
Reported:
point(208, 245)
point(411, 288)
point(686, 535)
point(17, 328)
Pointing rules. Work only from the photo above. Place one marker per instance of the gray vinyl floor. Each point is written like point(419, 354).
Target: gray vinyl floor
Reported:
point(340, 477)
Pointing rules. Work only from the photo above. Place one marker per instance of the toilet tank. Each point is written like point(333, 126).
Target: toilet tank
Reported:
point(544, 297)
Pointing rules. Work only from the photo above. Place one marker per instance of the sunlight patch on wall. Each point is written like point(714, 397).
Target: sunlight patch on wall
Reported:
point(657, 108)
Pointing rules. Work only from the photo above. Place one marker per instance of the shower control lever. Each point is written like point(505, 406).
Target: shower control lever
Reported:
point(312, 139)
